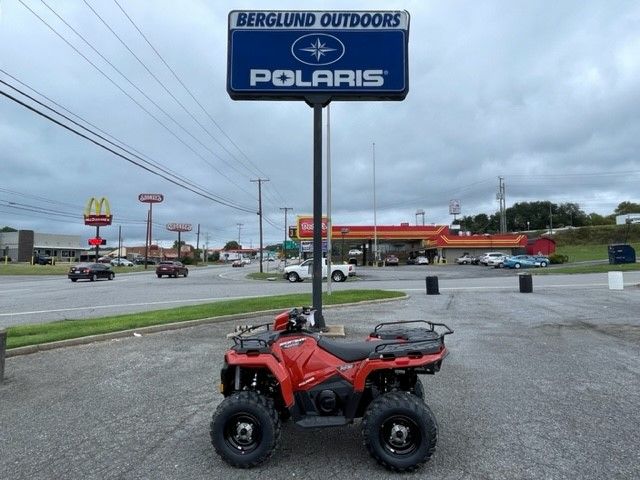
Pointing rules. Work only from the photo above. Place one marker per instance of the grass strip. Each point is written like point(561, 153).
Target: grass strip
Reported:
point(33, 334)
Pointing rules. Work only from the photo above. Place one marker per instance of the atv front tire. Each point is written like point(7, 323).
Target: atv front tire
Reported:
point(399, 431)
point(245, 429)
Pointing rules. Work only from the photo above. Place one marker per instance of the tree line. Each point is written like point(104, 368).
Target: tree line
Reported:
point(542, 215)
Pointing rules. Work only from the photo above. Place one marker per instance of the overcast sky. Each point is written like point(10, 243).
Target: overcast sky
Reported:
point(546, 94)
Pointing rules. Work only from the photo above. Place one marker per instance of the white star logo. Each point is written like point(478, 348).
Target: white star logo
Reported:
point(318, 49)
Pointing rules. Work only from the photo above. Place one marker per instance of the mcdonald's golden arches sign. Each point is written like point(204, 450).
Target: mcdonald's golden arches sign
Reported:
point(97, 213)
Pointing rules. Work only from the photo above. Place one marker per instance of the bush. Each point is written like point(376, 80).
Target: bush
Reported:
point(558, 258)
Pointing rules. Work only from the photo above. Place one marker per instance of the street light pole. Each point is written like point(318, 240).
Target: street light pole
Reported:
point(375, 222)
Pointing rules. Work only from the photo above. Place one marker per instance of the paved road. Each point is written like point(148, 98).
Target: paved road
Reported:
point(40, 299)
point(537, 386)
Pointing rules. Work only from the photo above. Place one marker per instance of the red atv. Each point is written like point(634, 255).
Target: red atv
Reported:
point(281, 371)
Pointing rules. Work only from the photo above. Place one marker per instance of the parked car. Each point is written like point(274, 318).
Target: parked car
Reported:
point(237, 263)
point(520, 261)
point(121, 262)
point(91, 272)
point(245, 260)
point(484, 258)
point(411, 261)
point(355, 252)
point(542, 261)
point(42, 259)
point(171, 269)
point(140, 261)
point(465, 259)
point(496, 261)
point(105, 259)
point(422, 261)
point(391, 260)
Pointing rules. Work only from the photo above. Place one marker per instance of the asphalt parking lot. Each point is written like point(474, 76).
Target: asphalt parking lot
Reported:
point(537, 386)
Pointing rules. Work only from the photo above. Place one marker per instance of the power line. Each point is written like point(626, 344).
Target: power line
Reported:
point(204, 195)
point(164, 87)
point(153, 163)
point(175, 75)
point(126, 93)
point(114, 141)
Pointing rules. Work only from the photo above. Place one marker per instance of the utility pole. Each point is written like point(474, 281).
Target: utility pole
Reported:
point(239, 229)
point(259, 182)
point(284, 244)
point(206, 248)
point(198, 239)
point(500, 196)
point(550, 219)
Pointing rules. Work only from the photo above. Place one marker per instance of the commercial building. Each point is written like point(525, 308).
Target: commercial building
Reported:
point(405, 241)
point(20, 246)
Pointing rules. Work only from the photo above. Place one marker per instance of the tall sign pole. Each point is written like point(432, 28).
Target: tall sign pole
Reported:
point(318, 57)
point(149, 198)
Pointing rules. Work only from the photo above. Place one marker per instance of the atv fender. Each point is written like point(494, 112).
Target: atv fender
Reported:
point(262, 361)
point(429, 363)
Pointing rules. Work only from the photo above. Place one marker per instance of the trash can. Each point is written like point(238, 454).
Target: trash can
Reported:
point(432, 285)
point(526, 282)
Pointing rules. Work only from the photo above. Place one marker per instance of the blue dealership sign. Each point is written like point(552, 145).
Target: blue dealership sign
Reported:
point(295, 55)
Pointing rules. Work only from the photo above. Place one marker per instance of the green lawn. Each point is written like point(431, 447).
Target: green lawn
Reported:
point(599, 268)
point(581, 253)
point(23, 335)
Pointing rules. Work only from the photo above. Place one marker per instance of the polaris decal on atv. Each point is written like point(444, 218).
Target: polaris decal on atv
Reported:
point(345, 367)
point(292, 343)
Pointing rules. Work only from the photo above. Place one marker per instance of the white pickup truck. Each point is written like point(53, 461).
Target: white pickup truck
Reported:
point(339, 272)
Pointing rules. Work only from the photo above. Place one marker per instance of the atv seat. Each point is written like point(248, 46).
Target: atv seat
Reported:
point(347, 351)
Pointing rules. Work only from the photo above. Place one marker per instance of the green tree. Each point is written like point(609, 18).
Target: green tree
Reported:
point(627, 207)
point(6, 229)
point(232, 245)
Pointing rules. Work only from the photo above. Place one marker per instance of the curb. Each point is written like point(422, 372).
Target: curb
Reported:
point(72, 342)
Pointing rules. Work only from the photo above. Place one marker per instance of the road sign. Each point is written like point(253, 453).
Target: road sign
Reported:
point(179, 227)
point(291, 245)
point(97, 212)
point(291, 55)
point(151, 197)
point(305, 226)
point(97, 241)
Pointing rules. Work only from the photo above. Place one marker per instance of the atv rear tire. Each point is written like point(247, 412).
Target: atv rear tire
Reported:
point(245, 429)
point(399, 431)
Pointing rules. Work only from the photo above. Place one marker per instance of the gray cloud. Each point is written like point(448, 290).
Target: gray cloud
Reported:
point(536, 92)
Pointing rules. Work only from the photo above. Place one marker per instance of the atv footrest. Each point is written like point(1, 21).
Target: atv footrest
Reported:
point(322, 421)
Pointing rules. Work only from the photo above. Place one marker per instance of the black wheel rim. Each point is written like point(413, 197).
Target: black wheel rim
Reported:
point(400, 435)
point(243, 433)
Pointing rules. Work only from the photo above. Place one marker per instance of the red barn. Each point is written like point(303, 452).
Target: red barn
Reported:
point(543, 245)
